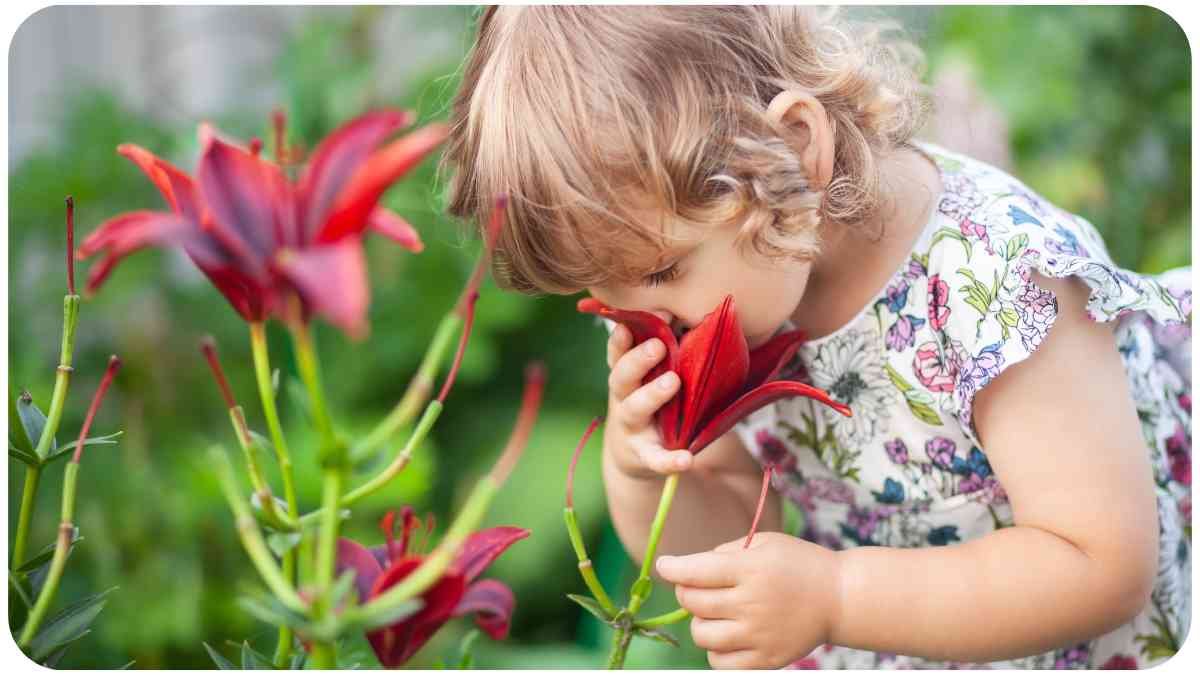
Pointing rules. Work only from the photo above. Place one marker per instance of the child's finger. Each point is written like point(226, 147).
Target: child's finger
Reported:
point(659, 460)
point(703, 570)
point(629, 369)
point(618, 343)
point(707, 603)
point(637, 410)
point(720, 635)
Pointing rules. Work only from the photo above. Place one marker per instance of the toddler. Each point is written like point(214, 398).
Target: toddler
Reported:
point(1013, 487)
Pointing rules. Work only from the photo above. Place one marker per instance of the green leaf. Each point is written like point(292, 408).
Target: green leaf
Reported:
point(67, 626)
point(923, 411)
point(298, 660)
point(1016, 245)
point(222, 662)
point(275, 383)
point(465, 659)
point(27, 458)
point(252, 660)
point(129, 665)
point(16, 430)
point(897, 379)
point(1008, 317)
point(299, 397)
point(947, 233)
point(657, 634)
point(16, 584)
point(43, 556)
point(341, 587)
point(67, 449)
point(282, 542)
point(270, 610)
point(32, 421)
point(591, 606)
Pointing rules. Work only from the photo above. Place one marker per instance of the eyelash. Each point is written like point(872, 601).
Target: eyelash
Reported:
point(662, 276)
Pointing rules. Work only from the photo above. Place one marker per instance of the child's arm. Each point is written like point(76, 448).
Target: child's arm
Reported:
point(719, 487)
point(1062, 436)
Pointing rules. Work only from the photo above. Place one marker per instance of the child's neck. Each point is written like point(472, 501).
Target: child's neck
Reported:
point(854, 263)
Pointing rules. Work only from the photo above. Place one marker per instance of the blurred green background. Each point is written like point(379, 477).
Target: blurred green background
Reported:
point(1089, 105)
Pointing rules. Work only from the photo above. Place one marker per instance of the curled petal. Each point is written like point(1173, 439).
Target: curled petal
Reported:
point(337, 157)
point(175, 185)
point(644, 326)
point(713, 363)
point(332, 281)
point(353, 556)
point(755, 399)
point(492, 603)
point(358, 198)
point(770, 357)
point(395, 644)
point(391, 225)
point(243, 197)
point(482, 548)
point(126, 233)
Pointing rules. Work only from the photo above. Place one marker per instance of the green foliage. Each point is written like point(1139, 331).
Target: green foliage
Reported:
point(1098, 105)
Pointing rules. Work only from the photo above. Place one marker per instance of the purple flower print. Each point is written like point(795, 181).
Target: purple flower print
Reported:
point(827, 539)
point(974, 372)
point(1179, 452)
point(897, 451)
point(1036, 309)
point(826, 489)
point(773, 452)
point(938, 297)
point(915, 269)
point(1072, 657)
point(902, 334)
point(897, 296)
point(1069, 245)
point(934, 373)
point(940, 451)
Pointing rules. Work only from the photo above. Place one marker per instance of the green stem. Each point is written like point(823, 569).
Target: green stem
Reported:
point(62, 378)
point(310, 372)
point(327, 543)
point(664, 619)
point(33, 477)
point(252, 539)
point(585, 563)
point(419, 388)
point(57, 563)
point(620, 646)
point(642, 587)
point(432, 411)
point(262, 373)
point(323, 656)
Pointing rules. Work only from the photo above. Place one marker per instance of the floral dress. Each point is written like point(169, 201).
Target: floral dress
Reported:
point(907, 469)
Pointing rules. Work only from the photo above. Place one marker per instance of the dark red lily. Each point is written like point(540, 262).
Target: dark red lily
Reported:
point(722, 379)
point(261, 237)
point(455, 594)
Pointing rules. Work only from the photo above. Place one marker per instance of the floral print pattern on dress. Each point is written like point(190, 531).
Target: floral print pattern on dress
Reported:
point(908, 470)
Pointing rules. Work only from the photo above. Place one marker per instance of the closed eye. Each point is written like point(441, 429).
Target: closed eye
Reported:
point(663, 276)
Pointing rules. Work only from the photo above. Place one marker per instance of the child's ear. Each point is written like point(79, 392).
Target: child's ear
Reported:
point(810, 133)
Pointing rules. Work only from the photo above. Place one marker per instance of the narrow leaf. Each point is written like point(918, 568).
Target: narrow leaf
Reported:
point(252, 660)
point(65, 450)
point(222, 662)
point(32, 420)
point(43, 556)
point(405, 610)
point(657, 634)
point(27, 458)
point(591, 606)
point(16, 430)
point(67, 626)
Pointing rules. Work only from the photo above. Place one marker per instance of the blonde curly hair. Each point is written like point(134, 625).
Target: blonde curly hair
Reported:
point(598, 120)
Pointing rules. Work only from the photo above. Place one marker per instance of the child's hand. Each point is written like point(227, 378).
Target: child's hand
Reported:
point(764, 607)
point(637, 446)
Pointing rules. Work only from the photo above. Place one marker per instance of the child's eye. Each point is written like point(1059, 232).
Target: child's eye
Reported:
point(663, 276)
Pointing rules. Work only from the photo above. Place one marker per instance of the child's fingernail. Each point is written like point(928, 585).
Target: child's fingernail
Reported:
point(664, 563)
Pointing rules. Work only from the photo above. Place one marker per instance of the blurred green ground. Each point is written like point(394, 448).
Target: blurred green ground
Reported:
point(1097, 100)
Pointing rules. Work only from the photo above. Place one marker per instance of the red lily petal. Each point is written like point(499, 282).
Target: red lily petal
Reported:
point(483, 547)
point(358, 198)
point(249, 298)
point(355, 556)
point(243, 195)
point(332, 280)
point(770, 357)
point(493, 603)
point(395, 644)
point(644, 326)
point(755, 399)
point(391, 225)
point(713, 364)
point(336, 159)
point(175, 185)
point(121, 235)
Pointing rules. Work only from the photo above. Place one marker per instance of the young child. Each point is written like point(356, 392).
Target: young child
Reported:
point(1014, 483)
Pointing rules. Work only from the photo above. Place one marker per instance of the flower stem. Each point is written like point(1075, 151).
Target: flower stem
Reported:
point(419, 388)
point(323, 656)
point(664, 619)
point(620, 647)
point(642, 587)
point(310, 372)
point(33, 476)
point(62, 378)
point(585, 563)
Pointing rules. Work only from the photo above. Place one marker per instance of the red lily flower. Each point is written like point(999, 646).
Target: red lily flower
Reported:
point(259, 236)
point(722, 380)
point(455, 594)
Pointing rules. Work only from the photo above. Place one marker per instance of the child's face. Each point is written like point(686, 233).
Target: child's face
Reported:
point(698, 273)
